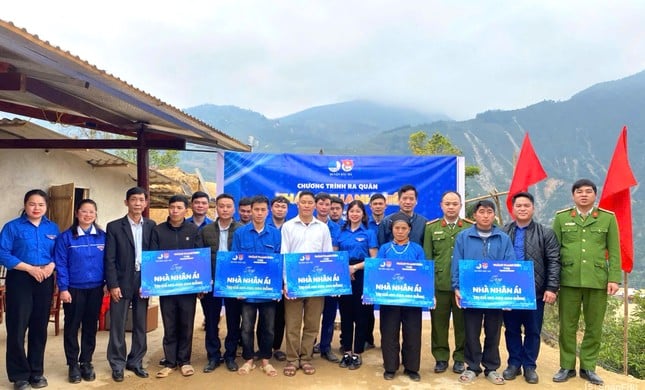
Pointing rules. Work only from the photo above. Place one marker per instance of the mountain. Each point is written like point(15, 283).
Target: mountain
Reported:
point(573, 138)
point(313, 129)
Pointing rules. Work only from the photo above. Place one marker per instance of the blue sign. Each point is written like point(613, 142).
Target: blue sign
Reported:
point(248, 275)
point(174, 272)
point(493, 284)
point(317, 274)
point(348, 177)
point(399, 282)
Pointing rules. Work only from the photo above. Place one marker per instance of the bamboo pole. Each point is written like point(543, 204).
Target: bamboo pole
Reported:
point(626, 323)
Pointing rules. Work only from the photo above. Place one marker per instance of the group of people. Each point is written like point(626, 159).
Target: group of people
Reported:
point(577, 259)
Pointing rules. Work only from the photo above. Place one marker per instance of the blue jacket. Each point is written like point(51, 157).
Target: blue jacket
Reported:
point(79, 261)
point(21, 241)
point(357, 243)
point(247, 239)
point(207, 221)
point(418, 221)
point(469, 245)
point(409, 251)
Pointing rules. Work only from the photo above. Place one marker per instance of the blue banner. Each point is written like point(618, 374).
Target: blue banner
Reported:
point(174, 272)
point(317, 274)
point(248, 275)
point(399, 282)
point(492, 284)
point(348, 177)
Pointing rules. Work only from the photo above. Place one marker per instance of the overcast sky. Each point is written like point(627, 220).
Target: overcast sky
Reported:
point(278, 57)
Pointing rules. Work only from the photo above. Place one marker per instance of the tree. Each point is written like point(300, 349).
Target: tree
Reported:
point(438, 144)
point(158, 159)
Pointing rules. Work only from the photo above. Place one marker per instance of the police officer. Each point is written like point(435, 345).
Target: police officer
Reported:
point(438, 244)
point(590, 255)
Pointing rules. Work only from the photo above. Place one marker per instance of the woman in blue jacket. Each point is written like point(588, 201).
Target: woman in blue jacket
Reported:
point(26, 250)
point(401, 319)
point(79, 263)
point(360, 242)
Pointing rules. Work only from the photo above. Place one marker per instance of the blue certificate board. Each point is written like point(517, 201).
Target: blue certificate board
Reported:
point(248, 275)
point(317, 274)
point(174, 272)
point(493, 284)
point(399, 282)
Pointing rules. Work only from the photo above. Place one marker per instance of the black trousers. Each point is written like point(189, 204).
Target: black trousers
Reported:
point(28, 304)
point(233, 308)
point(278, 330)
point(178, 316)
point(354, 316)
point(82, 313)
point(474, 356)
point(212, 309)
point(369, 335)
point(405, 320)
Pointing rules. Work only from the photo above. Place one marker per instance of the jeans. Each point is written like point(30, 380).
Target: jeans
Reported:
point(264, 328)
point(524, 354)
point(327, 325)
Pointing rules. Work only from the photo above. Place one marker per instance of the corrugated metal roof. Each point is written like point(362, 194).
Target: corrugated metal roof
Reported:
point(56, 80)
point(18, 128)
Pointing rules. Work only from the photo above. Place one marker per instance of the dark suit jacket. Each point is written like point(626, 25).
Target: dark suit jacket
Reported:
point(119, 254)
point(209, 236)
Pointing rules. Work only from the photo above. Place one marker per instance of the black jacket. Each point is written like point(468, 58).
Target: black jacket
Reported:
point(210, 238)
point(541, 246)
point(167, 237)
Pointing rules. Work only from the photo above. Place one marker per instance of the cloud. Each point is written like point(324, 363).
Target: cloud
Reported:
point(277, 57)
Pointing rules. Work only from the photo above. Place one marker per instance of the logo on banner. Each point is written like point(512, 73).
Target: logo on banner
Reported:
point(386, 264)
point(334, 166)
point(342, 167)
point(347, 165)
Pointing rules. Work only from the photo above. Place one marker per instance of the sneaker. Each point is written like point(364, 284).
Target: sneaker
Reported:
point(74, 375)
point(346, 361)
point(87, 372)
point(356, 362)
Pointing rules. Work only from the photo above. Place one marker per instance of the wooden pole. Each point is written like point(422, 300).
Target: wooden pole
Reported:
point(626, 323)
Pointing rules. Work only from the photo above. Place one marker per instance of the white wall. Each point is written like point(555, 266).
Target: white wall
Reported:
point(23, 170)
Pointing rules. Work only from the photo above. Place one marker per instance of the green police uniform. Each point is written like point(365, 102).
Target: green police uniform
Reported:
point(590, 255)
point(438, 244)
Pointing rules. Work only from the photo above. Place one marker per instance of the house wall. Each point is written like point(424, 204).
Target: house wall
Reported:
point(23, 170)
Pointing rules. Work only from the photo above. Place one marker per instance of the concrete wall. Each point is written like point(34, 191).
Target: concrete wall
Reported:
point(23, 170)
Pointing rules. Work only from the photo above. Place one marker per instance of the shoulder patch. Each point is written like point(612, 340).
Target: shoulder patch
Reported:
point(606, 211)
point(470, 221)
point(564, 210)
point(433, 221)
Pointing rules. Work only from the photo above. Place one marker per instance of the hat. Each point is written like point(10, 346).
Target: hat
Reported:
point(400, 216)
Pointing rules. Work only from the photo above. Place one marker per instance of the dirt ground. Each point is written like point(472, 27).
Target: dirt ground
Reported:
point(328, 375)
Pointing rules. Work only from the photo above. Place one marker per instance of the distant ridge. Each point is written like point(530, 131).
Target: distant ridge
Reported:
point(574, 138)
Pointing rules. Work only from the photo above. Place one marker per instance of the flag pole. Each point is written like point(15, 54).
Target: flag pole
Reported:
point(626, 323)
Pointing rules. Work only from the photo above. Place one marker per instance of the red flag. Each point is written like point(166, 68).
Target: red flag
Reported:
point(528, 171)
point(616, 196)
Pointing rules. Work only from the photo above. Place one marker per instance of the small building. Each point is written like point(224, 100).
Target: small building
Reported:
point(67, 175)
